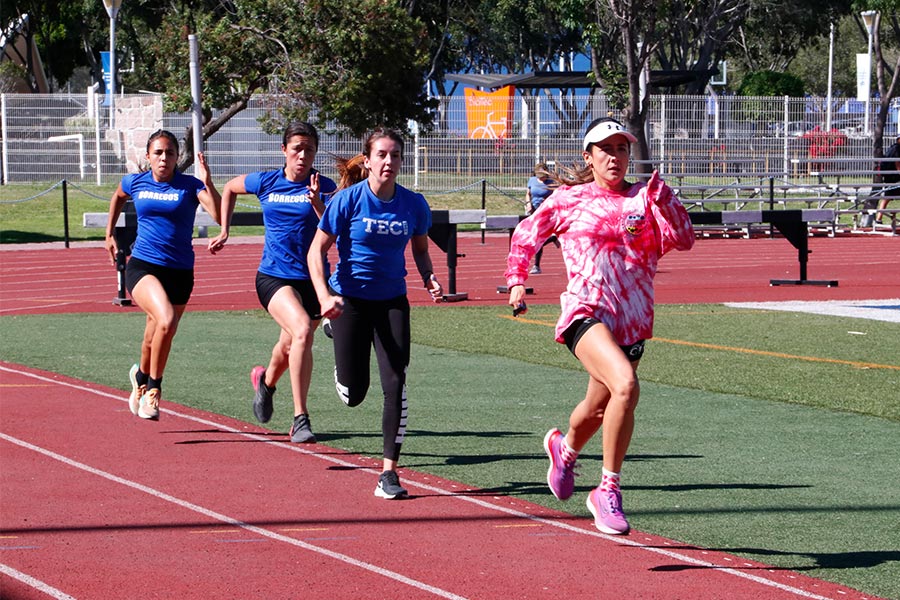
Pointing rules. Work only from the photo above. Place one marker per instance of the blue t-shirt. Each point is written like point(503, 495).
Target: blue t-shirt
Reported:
point(165, 216)
point(290, 221)
point(539, 190)
point(371, 239)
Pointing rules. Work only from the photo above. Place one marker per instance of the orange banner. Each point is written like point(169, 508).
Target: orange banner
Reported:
point(489, 115)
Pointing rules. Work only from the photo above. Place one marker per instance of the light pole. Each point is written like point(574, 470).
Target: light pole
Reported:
point(830, 78)
point(112, 9)
point(868, 17)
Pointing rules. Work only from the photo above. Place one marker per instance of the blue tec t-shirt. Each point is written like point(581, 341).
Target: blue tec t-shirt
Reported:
point(371, 239)
point(290, 221)
point(165, 216)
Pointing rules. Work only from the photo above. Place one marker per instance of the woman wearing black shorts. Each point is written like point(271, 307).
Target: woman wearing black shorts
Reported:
point(292, 203)
point(160, 272)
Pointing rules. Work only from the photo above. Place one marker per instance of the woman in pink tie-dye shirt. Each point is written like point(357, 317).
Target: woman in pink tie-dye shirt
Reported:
point(612, 234)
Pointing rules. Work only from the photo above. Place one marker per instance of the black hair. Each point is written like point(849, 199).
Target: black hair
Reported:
point(300, 128)
point(162, 133)
point(599, 120)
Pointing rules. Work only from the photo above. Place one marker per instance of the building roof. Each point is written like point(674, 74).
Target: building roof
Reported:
point(568, 79)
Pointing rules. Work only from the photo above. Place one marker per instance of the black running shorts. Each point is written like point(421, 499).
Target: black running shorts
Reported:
point(576, 330)
point(178, 283)
point(267, 285)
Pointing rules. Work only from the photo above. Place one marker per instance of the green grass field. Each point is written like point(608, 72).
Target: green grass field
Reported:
point(769, 435)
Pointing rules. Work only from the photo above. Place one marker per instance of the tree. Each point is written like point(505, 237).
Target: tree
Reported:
point(808, 65)
point(54, 28)
point(773, 33)
point(771, 83)
point(359, 68)
point(521, 36)
point(697, 37)
point(627, 35)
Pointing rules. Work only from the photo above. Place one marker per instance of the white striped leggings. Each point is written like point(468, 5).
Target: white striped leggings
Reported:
point(384, 324)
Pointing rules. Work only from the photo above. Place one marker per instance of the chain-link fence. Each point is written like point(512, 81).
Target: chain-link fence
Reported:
point(707, 139)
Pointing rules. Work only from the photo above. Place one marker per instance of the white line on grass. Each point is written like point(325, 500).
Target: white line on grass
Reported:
point(516, 513)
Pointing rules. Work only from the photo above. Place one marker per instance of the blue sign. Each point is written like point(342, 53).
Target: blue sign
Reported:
point(104, 60)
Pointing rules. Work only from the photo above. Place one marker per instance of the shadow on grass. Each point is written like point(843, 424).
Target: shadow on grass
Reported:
point(9, 236)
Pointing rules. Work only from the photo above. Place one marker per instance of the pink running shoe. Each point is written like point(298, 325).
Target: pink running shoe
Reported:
point(606, 506)
point(560, 476)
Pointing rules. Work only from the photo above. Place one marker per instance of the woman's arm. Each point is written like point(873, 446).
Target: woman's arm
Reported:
point(419, 244)
point(331, 306)
point(210, 197)
point(233, 188)
point(116, 202)
point(672, 218)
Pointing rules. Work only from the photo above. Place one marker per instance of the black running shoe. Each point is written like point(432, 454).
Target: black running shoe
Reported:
point(389, 486)
point(301, 431)
point(262, 397)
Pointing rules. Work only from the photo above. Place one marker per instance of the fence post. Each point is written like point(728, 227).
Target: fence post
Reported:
point(483, 203)
point(771, 203)
point(65, 192)
point(4, 135)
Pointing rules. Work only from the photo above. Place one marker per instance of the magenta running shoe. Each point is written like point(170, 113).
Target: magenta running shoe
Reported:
point(560, 476)
point(606, 506)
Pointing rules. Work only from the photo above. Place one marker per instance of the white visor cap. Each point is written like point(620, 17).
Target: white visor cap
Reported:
point(604, 130)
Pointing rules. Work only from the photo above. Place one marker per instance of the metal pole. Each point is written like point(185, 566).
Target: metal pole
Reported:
point(869, 81)
point(869, 17)
point(112, 71)
point(196, 104)
point(4, 176)
point(96, 102)
point(483, 205)
point(196, 111)
point(65, 192)
point(830, 78)
point(787, 171)
point(112, 9)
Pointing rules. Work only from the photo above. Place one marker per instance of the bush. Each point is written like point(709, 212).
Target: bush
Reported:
point(770, 83)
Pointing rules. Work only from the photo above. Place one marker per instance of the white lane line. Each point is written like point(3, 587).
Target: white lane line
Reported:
point(548, 522)
point(231, 521)
point(35, 583)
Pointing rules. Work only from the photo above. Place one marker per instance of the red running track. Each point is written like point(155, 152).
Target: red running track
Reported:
point(99, 504)
point(201, 506)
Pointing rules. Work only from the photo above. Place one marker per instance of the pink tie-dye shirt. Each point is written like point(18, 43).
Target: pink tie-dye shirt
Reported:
point(611, 243)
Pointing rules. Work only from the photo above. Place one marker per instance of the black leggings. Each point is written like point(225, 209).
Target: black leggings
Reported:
point(384, 323)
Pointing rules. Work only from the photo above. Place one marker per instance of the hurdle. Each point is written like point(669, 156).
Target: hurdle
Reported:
point(793, 224)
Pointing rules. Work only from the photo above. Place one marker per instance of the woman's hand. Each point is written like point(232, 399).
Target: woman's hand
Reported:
point(314, 187)
point(657, 190)
point(517, 299)
point(202, 169)
point(112, 248)
point(332, 307)
point(217, 243)
point(434, 288)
